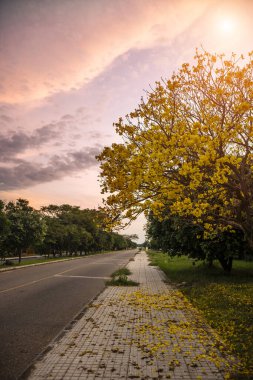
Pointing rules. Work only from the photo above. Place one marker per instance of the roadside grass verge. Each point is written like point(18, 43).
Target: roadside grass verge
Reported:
point(226, 301)
point(14, 264)
point(119, 278)
point(36, 261)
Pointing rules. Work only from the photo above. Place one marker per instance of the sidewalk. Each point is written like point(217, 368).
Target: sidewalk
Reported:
point(145, 332)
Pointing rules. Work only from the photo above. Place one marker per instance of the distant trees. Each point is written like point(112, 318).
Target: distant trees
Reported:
point(55, 230)
point(75, 231)
point(70, 230)
point(4, 227)
point(26, 227)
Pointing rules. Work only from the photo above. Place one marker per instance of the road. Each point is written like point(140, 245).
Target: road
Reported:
point(36, 303)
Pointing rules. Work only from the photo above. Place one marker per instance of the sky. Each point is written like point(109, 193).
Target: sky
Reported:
point(70, 68)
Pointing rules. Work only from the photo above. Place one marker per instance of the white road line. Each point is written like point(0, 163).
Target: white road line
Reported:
point(92, 277)
point(51, 276)
point(59, 274)
point(23, 285)
point(36, 281)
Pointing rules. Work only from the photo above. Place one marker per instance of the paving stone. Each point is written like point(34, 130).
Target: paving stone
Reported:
point(126, 334)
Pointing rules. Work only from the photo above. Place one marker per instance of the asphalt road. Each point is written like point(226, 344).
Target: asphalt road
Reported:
point(36, 303)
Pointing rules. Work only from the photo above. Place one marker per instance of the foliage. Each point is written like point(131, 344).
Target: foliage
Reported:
point(121, 272)
point(175, 235)
point(187, 148)
point(55, 230)
point(119, 278)
point(179, 236)
point(74, 230)
point(225, 301)
point(26, 227)
point(4, 227)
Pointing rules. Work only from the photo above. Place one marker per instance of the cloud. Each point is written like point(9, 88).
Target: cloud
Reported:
point(6, 119)
point(53, 46)
point(26, 174)
point(67, 117)
point(18, 142)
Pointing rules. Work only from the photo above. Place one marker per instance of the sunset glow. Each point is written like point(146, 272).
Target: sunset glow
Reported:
point(69, 69)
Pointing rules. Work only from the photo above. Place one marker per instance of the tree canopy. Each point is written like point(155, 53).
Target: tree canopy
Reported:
point(26, 227)
point(187, 149)
point(179, 236)
point(56, 230)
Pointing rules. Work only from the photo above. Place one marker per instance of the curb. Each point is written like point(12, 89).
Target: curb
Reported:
point(3, 270)
point(69, 325)
point(37, 264)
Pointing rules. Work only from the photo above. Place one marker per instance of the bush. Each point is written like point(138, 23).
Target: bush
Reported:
point(119, 278)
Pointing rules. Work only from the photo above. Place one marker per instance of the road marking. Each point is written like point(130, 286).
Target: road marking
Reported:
point(55, 275)
point(26, 284)
point(60, 274)
point(92, 277)
point(105, 263)
point(36, 281)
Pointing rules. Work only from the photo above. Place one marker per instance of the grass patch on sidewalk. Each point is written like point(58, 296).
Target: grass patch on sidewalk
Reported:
point(119, 278)
point(226, 301)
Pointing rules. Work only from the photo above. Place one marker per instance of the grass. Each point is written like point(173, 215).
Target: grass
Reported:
point(226, 301)
point(32, 261)
point(119, 278)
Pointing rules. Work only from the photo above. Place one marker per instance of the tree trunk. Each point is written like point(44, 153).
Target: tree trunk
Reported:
point(248, 234)
point(226, 263)
point(210, 263)
point(19, 255)
point(250, 242)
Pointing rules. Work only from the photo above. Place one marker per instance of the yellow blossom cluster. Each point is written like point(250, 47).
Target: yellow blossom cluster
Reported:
point(187, 148)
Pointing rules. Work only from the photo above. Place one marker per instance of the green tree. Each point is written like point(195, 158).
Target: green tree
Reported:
point(4, 228)
point(72, 230)
point(178, 236)
point(26, 227)
point(86, 241)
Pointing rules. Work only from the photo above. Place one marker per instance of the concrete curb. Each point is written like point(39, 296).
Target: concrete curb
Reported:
point(36, 264)
point(3, 270)
point(63, 331)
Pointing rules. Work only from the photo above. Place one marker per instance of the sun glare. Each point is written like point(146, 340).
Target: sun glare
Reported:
point(227, 25)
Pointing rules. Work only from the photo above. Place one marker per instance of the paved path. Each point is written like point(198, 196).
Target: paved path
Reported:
point(145, 332)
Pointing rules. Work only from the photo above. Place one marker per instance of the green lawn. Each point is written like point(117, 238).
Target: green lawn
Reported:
point(226, 301)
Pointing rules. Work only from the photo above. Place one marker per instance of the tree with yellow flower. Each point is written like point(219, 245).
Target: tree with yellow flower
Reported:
point(187, 149)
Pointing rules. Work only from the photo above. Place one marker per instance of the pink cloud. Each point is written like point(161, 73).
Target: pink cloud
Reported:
point(49, 47)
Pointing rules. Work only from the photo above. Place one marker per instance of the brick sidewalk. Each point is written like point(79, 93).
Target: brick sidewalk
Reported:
point(145, 332)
